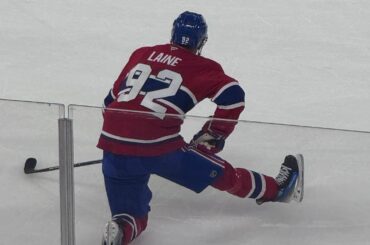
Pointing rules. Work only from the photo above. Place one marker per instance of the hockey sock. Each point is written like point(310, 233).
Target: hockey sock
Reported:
point(245, 183)
point(254, 185)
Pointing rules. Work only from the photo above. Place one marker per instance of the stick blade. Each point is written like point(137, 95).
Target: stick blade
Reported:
point(29, 165)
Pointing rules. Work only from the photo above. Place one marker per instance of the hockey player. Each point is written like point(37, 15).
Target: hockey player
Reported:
point(162, 81)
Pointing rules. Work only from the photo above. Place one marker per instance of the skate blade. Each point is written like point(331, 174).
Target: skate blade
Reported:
point(299, 189)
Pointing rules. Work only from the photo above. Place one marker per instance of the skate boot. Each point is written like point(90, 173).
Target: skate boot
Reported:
point(113, 234)
point(290, 180)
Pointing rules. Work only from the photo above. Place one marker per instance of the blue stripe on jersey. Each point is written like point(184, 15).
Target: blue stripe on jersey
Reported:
point(258, 185)
point(153, 84)
point(181, 99)
point(108, 99)
point(230, 96)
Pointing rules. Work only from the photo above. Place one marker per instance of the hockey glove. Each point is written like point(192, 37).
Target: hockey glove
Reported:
point(208, 142)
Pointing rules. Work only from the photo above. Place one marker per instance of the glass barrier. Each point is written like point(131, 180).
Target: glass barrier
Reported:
point(91, 208)
point(336, 178)
point(29, 206)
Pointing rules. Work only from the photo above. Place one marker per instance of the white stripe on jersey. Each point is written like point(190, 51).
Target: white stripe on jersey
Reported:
point(112, 94)
point(233, 106)
point(173, 106)
point(139, 140)
point(192, 96)
point(253, 183)
point(263, 187)
point(224, 88)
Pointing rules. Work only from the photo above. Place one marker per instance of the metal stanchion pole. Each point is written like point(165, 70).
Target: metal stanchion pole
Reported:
point(67, 214)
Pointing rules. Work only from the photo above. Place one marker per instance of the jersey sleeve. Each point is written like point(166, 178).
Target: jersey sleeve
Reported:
point(229, 97)
point(109, 99)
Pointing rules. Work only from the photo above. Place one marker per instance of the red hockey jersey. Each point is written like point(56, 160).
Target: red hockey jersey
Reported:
point(164, 82)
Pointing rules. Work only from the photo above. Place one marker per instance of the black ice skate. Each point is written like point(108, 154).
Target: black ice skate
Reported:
point(290, 180)
point(113, 234)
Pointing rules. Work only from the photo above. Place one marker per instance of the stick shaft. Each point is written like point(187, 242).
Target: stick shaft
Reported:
point(57, 167)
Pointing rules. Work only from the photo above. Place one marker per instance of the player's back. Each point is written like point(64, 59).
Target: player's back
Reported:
point(162, 81)
point(171, 73)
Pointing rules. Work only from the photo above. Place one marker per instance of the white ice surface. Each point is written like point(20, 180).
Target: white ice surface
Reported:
point(301, 62)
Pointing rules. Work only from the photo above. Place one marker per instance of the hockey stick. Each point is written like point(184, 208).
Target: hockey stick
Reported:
point(30, 164)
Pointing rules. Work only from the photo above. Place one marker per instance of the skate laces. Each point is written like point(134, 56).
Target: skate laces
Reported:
point(283, 175)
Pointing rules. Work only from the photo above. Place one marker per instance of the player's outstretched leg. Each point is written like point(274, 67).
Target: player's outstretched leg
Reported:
point(123, 229)
point(290, 180)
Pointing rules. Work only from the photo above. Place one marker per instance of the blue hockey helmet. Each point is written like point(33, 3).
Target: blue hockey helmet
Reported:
point(190, 31)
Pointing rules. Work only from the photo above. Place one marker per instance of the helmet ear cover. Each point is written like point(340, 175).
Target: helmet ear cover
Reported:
point(190, 31)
